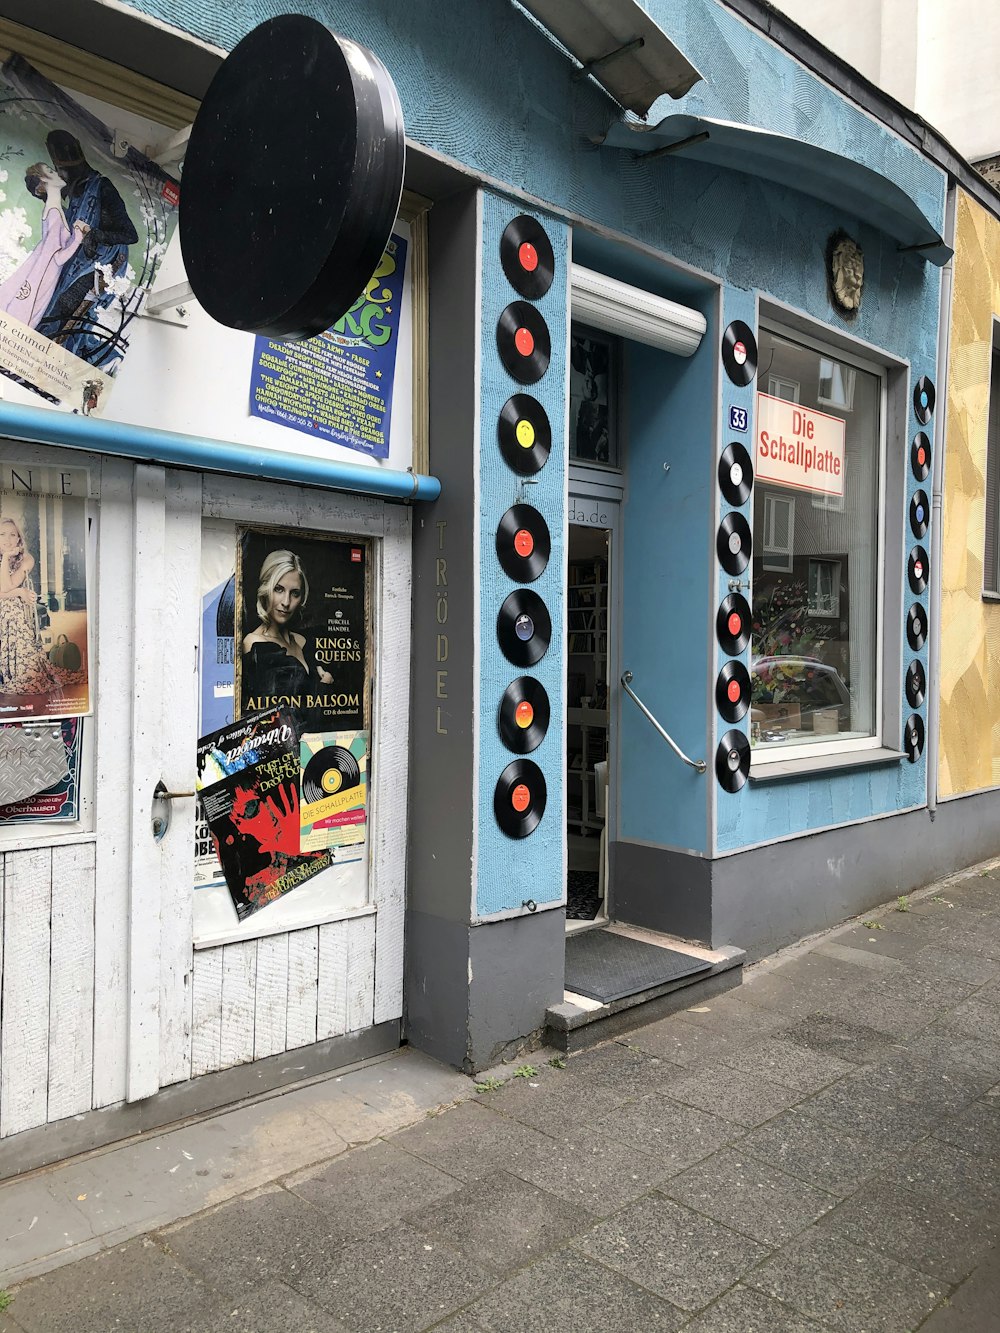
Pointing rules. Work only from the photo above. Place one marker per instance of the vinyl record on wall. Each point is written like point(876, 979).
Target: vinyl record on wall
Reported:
point(735, 474)
point(920, 456)
point(523, 342)
point(524, 434)
point(732, 691)
point(519, 798)
point(916, 627)
point(527, 258)
point(920, 512)
point(523, 716)
point(916, 684)
point(524, 629)
point(523, 543)
point(732, 624)
point(732, 761)
point(913, 737)
point(923, 399)
point(739, 352)
point(733, 543)
point(917, 570)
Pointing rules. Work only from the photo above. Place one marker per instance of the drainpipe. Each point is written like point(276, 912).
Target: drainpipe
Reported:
point(937, 508)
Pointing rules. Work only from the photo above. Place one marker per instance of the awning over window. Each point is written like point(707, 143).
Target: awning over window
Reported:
point(619, 44)
point(836, 180)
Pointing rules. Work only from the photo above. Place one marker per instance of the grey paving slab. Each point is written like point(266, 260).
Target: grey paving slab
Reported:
point(948, 1174)
point(501, 1222)
point(882, 940)
point(959, 964)
point(670, 1250)
point(973, 1307)
point(566, 1292)
point(976, 1130)
point(744, 1310)
point(789, 1000)
point(619, 1067)
point(681, 1041)
point(846, 1286)
point(976, 1061)
point(552, 1104)
point(858, 956)
point(469, 1141)
point(872, 1108)
point(827, 1156)
point(855, 1042)
point(789, 1063)
point(271, 1308)
point(930, 990)
point(460, 1323)
point(750, 1196)
point(396, 1282)
point(745, 1098)
point(102, 1294)
point(366, 1190)
point(820, 971)
point(895, 1018)
point(937, 1237)
point(735, 1016)
point(975, 1018)
point(675, 1134)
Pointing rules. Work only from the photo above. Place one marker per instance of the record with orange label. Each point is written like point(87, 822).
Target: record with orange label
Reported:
point(523, 543)
point(732, 624)
point(732, 761)
point(524, 434)
point(519, 798)
point(527, 258)
point(920, 456)
point(524, 628)
point(732, 691)
point(523, 717)
point(523, 342)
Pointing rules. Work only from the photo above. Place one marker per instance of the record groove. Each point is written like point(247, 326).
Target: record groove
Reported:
point(523, 543)
point(913, 737)
point(524, 629)
point(735, 474)
point(523, 716)
point(918, 570)
point(732, 761)
point(524, 434)
point(916, 684)
point(920, 456)
point(916, 627)
point(733, 543)
point(923, 399)
point(519, 798)
point(526, 257)
point(920, 511)
point(732, 691)
point(732, 624)
point(523, 342)
point(739, 352)
point(329, 770)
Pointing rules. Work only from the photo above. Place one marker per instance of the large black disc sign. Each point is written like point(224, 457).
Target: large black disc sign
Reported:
point(292, 180)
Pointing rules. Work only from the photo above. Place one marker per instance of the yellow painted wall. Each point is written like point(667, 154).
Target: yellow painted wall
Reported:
point(970, 628)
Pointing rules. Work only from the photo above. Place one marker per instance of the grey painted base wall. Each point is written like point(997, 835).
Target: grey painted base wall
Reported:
point(769, 897)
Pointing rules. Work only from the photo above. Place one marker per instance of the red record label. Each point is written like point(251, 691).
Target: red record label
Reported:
point(921, 456)
point(527, 256)
point(739, 353)
point(734, 691)
point(735, 623)
point(520, 798)
point(524, 714)
point(524, 342)
point(524, 543)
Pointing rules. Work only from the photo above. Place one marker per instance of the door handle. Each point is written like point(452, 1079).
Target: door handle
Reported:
point(160, 818)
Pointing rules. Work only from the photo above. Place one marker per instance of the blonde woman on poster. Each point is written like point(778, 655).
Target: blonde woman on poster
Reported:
point(28, 291)
point(24, 668)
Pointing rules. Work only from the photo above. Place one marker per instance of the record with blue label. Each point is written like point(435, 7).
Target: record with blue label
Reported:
point(524, 628)
point(923, 399)
point(920, 513)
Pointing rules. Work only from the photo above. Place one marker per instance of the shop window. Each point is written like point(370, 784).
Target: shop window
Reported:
point(991, 561)
point(816, 567)
point(595, 360)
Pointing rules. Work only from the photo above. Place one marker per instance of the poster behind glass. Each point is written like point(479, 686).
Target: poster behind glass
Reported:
point(593, 397)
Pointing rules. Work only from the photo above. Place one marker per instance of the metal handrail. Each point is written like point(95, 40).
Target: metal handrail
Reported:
point(698, 764)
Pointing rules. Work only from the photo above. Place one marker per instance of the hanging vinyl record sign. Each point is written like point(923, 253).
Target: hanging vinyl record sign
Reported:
point(523, 543)
point(913, 737)
point(524, 628)
point(735, 474)
point(920, 511)
point(732, 761)
point(527, 258)
point(923, 399)
point(732, 624)
point(292, 179)
point(916, 684)
point(916, 627)
point(523, 717)
point(732, 691)
point(920, 456)
point(523, 342)
point(739, 352)
point(524, 434)
point(519, 798)
point(916, 570)
point(733, 543)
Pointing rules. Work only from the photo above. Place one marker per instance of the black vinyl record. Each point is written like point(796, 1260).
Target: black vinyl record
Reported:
point(328, 771)
point(923, 399)
point(913, 737)
point(524, 434)
point(732, 761)
point(918, 570)
point(527, 258)
point(519, 798)
point(732, 691)
point(920, 456)
point(733, 543)
point(920, 512)
point(292, 179)
point(916, 626)
point(523, 342)
point(916, 684)
point(524, 629)
point(732, 624)
point(523, 717)
point(739, 352)
point(523, 543)
point(735, 474)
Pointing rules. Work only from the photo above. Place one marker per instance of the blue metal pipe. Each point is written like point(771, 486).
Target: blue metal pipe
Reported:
point(40, 425)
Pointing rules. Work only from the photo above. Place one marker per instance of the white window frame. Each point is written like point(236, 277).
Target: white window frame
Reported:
point(818, 749)
point(778, 558)
point(834, 567)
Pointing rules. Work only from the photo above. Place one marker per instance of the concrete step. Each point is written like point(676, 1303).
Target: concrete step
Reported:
point(580, 1021)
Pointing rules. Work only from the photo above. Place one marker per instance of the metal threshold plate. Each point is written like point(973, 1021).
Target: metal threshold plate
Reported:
point(607, 967)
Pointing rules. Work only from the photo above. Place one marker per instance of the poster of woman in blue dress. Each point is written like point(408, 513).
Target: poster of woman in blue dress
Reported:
point(80, 241)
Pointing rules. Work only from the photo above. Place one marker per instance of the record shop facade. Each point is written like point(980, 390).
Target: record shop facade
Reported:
point(665, 397)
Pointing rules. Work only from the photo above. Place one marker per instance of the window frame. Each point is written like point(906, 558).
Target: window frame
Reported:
point(771, 322)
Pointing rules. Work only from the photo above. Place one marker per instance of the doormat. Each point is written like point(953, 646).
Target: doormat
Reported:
point(605, 966)
point(583, 897)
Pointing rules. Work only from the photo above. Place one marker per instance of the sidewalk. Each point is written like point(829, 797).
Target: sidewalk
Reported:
point(819, 1149)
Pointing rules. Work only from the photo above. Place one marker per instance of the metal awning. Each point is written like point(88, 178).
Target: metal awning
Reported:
point(619, 44)
point(836, 180)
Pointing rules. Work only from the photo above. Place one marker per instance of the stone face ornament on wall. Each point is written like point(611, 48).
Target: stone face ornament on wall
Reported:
point(845, 264)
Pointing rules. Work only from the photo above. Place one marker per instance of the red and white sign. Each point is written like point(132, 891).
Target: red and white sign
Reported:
point(799, 447)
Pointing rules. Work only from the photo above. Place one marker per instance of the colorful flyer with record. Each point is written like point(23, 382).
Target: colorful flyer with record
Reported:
point(334, 790)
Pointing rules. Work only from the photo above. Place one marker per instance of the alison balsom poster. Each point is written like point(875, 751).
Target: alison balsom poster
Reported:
point(84, 223)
